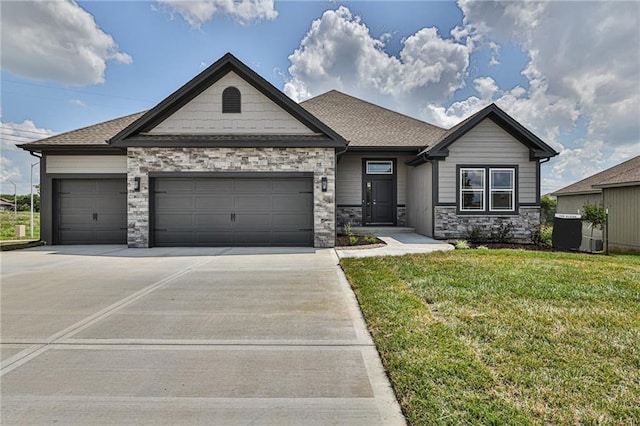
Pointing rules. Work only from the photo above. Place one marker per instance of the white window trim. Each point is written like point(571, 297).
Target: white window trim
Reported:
point(390, 163)
point(498, 190)
point(483, 190)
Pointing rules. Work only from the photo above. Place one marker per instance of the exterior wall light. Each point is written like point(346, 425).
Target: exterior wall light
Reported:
point(325, 184)
point(136, 184)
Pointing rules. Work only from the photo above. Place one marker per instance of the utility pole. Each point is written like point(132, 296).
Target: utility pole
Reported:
point(15, 200)
point(31, 186)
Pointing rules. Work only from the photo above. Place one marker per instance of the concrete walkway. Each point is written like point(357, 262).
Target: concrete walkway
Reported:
point(110, 335)
point(398, 244)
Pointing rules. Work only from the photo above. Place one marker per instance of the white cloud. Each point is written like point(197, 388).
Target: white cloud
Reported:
point(583, 68)
point(485, 86)
point(338, 52)
point(244, 12)
point(16, 163)
point(78, 102)
point(55, 40)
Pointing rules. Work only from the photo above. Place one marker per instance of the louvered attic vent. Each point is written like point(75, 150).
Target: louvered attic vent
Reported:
point(231, 100)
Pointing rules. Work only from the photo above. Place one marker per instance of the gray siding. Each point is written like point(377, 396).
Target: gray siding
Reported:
point(572, 204)
point(624, 217)
point(349, 178)
point(204, 114)
point(419, 199)
point(488, 144)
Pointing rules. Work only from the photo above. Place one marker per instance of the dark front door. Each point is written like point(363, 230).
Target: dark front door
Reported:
point(379, 204)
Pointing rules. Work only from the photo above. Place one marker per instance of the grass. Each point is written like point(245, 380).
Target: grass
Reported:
point(8, 222)
point(506, 336)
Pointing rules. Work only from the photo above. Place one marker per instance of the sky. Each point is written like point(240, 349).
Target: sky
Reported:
point(569, 71)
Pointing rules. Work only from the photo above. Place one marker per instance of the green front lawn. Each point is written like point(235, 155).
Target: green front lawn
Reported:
point(8, 222)
point(506, 336)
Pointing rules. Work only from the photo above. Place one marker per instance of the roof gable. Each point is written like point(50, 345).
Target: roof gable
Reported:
point(538, 149)
point(141, 132)
point(623, 174)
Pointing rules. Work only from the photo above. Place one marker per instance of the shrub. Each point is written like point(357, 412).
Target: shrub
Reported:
point(461, 245)
point(353, 240)
point(548, 208)
point(503, 233)
point(475, 234)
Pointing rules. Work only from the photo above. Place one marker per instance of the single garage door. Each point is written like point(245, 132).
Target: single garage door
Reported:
point(233, 212)
point(90, 211)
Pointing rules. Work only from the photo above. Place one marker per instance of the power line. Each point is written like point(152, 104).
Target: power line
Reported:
point(77, 91)
point(22, 131)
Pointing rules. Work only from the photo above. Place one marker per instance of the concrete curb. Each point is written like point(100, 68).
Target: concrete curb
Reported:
point(18, 245)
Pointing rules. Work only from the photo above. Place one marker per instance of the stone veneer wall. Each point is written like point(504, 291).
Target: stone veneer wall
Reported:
point(142, 161)
point(353, 215)
point(450, 225)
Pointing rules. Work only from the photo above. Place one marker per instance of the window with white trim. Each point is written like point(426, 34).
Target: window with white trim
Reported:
point(379, 167)
point(501, 189)
point(472, 189)
point(487, 189)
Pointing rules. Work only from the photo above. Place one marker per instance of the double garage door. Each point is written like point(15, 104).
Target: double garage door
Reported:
point(188, 212)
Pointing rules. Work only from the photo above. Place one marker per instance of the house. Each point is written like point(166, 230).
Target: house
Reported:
point(229, 160)
point(618, 189)
point(6, 205)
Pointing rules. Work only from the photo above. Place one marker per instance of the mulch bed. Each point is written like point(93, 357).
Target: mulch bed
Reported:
point(343, 241)
point(512, 246)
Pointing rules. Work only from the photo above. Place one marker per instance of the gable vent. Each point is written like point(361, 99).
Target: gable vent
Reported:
point(231, 100)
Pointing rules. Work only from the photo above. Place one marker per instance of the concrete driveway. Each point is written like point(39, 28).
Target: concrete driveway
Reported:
point(110, 335)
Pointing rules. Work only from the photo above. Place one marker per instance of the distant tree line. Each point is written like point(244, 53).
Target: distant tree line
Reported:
point(24, 202)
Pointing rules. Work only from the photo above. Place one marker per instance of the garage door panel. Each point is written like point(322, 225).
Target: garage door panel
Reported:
point(252, 203)
point(174, 220)
point(111, 237)
point(217, 203)
point(78, 186)
point(292, 185)
point(291, 238)
point(90, 211)
point(82, 221)
point(294, 220)
point(76, 202)
point(292, 203)
point(185, 238)
point(234, 212)
point(109, 202)
point(213, 239)
point(110, 221)
point(174, 202)
point(108, 186)
point(174, 185)
point(252, 185)
point(254, 221)
point(217, 221)
point(214, 185)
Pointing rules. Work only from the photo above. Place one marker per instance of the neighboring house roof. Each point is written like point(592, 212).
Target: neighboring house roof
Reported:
point(87, 137)
point(198, 84)
point(366, 125)
point(537, 147)
point(5, 202)
point(624, 174)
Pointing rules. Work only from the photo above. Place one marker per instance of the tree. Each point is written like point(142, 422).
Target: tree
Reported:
point(595, 214)
point(548, 208)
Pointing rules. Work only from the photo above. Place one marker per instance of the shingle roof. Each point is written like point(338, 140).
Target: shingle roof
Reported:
point(623, 173)
point(364, 124)
point(95, 135)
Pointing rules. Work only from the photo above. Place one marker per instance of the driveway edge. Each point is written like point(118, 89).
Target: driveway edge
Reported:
point(388, 406)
